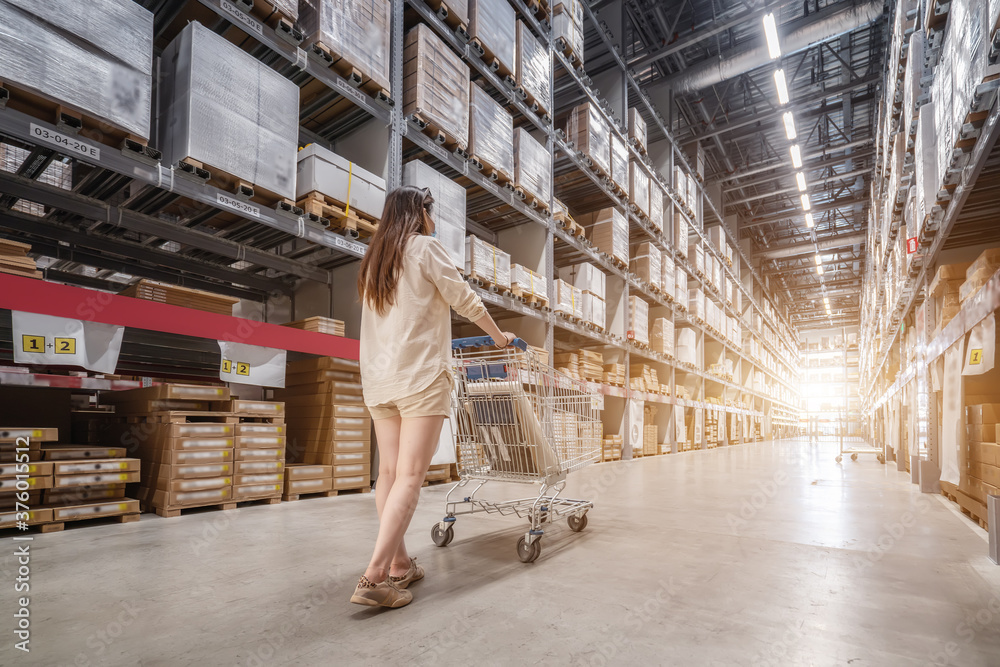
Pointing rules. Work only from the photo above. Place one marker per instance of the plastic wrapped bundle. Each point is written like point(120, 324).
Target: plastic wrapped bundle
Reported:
point(568, 299)
point(667, 273)
point(608, 232)
point(655, 205)
point(979, 273)
point(680, 183)
point(526, 282)
point(594, 310)
point(692, 194)
point(638, 186)
point(486, 262)
point(93, 57)
point(687, 350)
point(696, 303)
point(586, 128)
point(661, 336)
point(494, 24)
point(567, 23)
point(287, 8)
point(223, 107)
point(646, 264)
point(491, 132)
point(925, 164)
point(637, 128)
point(680, 287)
point(639, 318)
point(355, 30)
point(449, 206)
point(619, 163)
point(585, 277)
point(436, 84)
point(323, 171)
point(532, 167)
point(681, 235)
point(696, 257)
point(533, 71)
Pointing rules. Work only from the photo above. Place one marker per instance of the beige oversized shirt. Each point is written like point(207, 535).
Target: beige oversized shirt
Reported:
point(406, 349)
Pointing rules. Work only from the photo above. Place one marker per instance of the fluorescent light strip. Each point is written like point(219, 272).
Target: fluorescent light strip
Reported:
point(796, 156)
point(789, 121)
point(819, 270)
point(809, 220)
point(805, 203)
point(800, 180)
point(779, 83)
point(771, 33)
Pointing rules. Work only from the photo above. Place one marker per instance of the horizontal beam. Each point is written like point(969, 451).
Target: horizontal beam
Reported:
point(795, 188)
point(782, 169)
point(808, 247)
point(798, 213)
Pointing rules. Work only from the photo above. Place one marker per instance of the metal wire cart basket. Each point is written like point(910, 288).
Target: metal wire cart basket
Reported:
point(519, 420)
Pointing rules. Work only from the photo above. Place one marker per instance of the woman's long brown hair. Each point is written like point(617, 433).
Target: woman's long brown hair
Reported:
point(407, 212)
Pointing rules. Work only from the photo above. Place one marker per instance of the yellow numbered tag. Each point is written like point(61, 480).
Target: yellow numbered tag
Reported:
point(33, 343)
point(975, 357)
point(65, 346)
point(227, 366)
point(242, 368)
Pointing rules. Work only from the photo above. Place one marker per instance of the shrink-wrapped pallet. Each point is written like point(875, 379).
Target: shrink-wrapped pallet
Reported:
point(486, 262)
point(93, 57)
point(692, 194)
point(667, 274)
point(568, 299)
point(619, 163)
point(494, 24)
point(491, 132)
point(223, 107)
point(449, 206)
point(681, 235)
point(436, 84)
point(655, 205)
point(637, 128)
point(696, 303)
point(608, 232)
point(355, 30)
point(638, 186)
point(687, 350)
point(527, 282)
point(585, 277)
point(533, 71)
point(680, 287)
point(927, 180)
point(639, 319)
point(587, 129)
point(567, 23)
point(594, 310)
point(321, 170)
point(646, 263)
point(696, 257)
point(680, 183)
point(661, 336)
point(979, 273)
point(532, 167)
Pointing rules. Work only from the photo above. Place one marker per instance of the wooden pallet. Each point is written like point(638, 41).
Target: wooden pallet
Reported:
point(575, 60)
point(57, 526)
point(439, 135)
point(269, 12)
point(540, 108)
point(328, 212)
point(356, 76)
point(490, 58)
point(71, 122)
point(969, 506)
point(499, 175)
point(571, 226)
point(240, 187)
point(305, 496)
point(172, 512)
point(363, 489)
point(528, 298)
point(262, 500)
point(450, 18)
point(487, 283)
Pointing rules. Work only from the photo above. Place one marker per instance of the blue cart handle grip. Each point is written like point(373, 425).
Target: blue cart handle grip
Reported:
point(483, 341)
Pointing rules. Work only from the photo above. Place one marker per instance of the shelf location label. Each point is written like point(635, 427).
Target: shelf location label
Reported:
point(251, 364)
point(59, 341)
point(350, 246)
point(244, 18)
point(237, 204)
point(68, 143)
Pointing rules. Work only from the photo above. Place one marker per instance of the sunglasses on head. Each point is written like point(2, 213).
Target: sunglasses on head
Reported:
point(428, 200)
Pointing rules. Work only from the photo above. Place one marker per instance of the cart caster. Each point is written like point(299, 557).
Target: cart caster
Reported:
point(442, 538)
point(881, 459)
point(854, 457)
point(577, 523)
point(528, 552)
point(839, 459)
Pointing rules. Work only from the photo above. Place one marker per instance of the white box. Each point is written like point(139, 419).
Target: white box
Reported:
point(527, 281)
point(487, 262)
point(681, 286)
point(568, 299)
point(448, 210)
point(594, 310)
point(585, 277)
point(667, 274)
point(321, 170)
point(639, 318)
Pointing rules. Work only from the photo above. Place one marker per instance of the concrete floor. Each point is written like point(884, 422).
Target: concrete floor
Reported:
point(758, 555)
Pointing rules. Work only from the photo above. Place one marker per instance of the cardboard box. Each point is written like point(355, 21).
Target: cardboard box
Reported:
point(317, 431)
point(586, 128)
point(351, 458)
point(568, 299)
point(607, 230)
point(638, 186)
point(33, 483)
point(34, 436)
point(174, 499)
point(9, 519)
point(352, 469)
point(259, 478)
point(259, 454)
point(586, 277)
point(192, 456)
point(257, 408)
point(188, 471)
point(94, 465)
point(252, 491)
point(436, 83)
point(179, 392)
point(637, 127)
point(594, 310)
point(301, 486)
point(190, 484)
point(160, 441)
point(32, 469)
point(260, 429)
point(74, 453)
point(639, 319)
point(986, 413)
point(258, 467)
point(532, 167)
point(82, 494)
point(487, 262)
point(259, 441)
point(321, 170)
point(646, 263)
point(94, 479)
point(352, 482)
point(9, 499)
point(92, 510)
point(298, 471)
point(324, 364)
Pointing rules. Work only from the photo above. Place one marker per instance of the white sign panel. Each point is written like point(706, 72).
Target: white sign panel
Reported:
point(58, 341)
point(250, 364)
point(979, 355)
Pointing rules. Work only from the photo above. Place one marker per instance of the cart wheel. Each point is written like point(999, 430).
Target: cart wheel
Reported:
point(854, 457)
point(881, 459)
point(577, 523)
point(442, 538)
point(840, 458)
point(528, 552)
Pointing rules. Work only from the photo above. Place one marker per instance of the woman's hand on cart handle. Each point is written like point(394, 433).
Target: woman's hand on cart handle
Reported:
point(506, 338)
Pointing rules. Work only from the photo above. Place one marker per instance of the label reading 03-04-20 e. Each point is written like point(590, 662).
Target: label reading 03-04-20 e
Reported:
point(65, 141)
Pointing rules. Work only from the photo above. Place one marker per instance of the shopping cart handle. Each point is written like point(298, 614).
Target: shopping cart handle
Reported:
point(483, 341)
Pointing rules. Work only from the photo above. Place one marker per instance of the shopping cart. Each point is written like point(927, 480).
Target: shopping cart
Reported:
point(518, 420)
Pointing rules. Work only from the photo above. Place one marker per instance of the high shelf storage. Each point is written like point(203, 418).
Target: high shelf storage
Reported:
point(723, 352)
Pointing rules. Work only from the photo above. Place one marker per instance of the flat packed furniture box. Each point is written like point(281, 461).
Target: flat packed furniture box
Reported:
point(493, 27)
point(356, 31)
point(586, 128)
point(532, 72)
point(329, 175)
point(486, 262)
point(93, 58)
point(491, 134)
point(220, 106)
point(532, 168)
point(436, 85)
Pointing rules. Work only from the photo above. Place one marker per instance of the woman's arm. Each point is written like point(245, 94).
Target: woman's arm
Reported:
point(500, 338)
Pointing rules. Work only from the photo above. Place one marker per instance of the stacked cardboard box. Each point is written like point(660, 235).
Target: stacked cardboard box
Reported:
point(668, 276)
point(646, 263)
point(980, 474)
point(643, 377)
point(638, 187)
point(614, 374)
point(637, 129)
point(661, 336)
point(326, 180)
point(945, 292)
point(532, 168)
point(186, 446)
point(491, 133)
point(302, 479)
point(696, 303)
point(619, 164)
point(493, 25)
point(487, 262)
point(586, 128)
point(174, 295)
point(259, 449)
point(612, 448)
point(650, 439)
point(607, 230)
point(449, 206)
point(355, 30)
point(323, 325)
point(582, 364)
point(680, 236)
point(979, 273)
point(567, 24)
point(525, 282)
point(532, 71)
point(639, 319)
point(14, 258)
point(85, 487)
point(568, 299)
point(591, 282)
point(14, 444)
point(436, 84)
point(328, 423)
point(655, 204)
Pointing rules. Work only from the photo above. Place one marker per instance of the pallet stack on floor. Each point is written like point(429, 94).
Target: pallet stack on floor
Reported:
point(612, 448)
point(39, 474)
point(328, 423)
point(305, 479)
point(258, 449)
point(186, 446)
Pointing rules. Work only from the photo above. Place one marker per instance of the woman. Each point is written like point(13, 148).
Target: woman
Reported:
point(407, 283)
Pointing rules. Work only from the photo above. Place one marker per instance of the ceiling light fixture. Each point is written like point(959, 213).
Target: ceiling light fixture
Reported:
point(826, 300)
point(779, 82)
point(796, 156)
point(771, 33)
point(800, 180)
point(809, 220)
point(819, 270)
point(805, 203)
point(789, 121)
point(819, 260)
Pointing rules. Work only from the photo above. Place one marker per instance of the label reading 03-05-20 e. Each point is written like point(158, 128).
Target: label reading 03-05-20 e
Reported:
point(237, 204)
point(61, 140)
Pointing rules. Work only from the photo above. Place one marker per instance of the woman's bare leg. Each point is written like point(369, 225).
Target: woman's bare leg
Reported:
point(387, 433)
point(418, 438)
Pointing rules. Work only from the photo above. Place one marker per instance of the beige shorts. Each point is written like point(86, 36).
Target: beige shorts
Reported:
point(434, 400)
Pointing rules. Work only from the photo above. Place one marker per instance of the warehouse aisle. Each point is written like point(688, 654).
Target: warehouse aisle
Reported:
point(770, 554)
